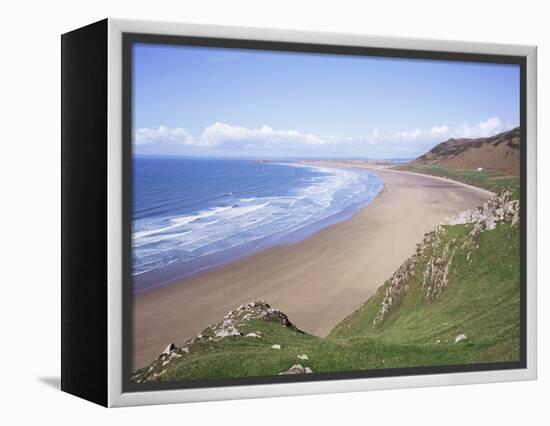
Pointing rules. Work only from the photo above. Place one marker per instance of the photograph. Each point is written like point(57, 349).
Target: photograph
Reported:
point(299, 212)
point(286, 212)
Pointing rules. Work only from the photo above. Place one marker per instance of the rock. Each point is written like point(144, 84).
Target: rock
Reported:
point(169, 349)
point(227, 332)
point(228, 327)
point(498, 209)
point(460, 337)
point(398, 284)
point(438, 341)
point(436, 274)
point(231, 323)
point(303, 357)
point(297, 369)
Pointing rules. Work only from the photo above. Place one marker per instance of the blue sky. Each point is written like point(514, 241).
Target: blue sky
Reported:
point(229, 102)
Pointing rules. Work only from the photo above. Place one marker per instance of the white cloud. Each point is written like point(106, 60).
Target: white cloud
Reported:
point(163, 135)
point(223, 136)
point(229, 136)
point(439, 131)
point(407, 135)
point(489, 127)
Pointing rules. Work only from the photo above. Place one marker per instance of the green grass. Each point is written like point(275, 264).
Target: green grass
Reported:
point(488, 179)
point(481, 301)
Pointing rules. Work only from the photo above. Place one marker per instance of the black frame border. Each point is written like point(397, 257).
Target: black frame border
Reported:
point(84, 234)
point(129, 39)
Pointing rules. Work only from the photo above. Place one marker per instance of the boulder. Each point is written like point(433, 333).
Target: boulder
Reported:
point(297, 369)
point(460, 337)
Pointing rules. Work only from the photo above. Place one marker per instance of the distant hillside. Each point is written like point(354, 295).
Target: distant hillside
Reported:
point(500, 153)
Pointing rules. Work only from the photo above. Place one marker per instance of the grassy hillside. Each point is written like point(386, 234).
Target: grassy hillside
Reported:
point(461, 282)
point(481, 300)
point(498, 153)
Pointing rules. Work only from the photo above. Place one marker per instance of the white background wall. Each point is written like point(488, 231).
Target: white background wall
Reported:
point(30, 176)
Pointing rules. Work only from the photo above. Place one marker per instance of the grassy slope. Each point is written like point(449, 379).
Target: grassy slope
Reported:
point(481, 301)
point(488, 179)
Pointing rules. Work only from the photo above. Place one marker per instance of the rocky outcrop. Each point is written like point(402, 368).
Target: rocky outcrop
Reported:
point(398, 284)
point(500, 208)
point(441, 251)
point(436, 274)
point(229, 327)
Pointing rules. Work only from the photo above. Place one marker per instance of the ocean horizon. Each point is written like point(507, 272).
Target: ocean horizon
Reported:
point(192, 214)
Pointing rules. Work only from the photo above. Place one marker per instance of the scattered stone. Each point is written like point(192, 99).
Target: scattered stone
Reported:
point(460, 337)
point(185, 349)
point(276, 347)
point(297, 369)
point(438, 341)
point(254, 335)
point(303, 357)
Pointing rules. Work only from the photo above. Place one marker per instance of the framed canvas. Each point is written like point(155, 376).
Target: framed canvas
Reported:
point(250, 212)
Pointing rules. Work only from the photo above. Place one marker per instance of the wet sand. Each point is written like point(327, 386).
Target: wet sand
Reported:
point(316, 282)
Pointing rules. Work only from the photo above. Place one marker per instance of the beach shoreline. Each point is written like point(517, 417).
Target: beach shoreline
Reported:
point(317, 282)
point(178, 271)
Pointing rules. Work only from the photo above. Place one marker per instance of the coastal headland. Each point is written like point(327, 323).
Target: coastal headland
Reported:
point(317, 282)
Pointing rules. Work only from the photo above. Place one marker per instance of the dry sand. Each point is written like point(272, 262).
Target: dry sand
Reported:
point(316, 282)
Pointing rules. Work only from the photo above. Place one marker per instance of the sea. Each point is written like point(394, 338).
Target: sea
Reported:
point(190, 215)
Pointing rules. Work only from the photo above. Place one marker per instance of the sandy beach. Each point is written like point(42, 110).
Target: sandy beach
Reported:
point(316, 282)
